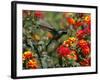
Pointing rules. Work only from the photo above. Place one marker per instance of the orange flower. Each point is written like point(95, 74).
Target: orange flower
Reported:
point(82, 43)
point(86, 50)
point(85, 47)
point(70, 20)
point(32, 64)
point(27, 55)
point(72, 55)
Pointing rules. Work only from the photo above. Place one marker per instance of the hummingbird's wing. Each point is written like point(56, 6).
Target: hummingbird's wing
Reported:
point(45, 25)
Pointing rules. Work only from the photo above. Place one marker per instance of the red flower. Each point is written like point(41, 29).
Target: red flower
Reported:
point(63, 51)
point(82, 43)
point(80, 34)
point(78, 24)
point(38, 14)
point(86, 50)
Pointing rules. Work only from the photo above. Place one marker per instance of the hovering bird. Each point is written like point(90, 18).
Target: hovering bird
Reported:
point(46, 26)
point(56, 33)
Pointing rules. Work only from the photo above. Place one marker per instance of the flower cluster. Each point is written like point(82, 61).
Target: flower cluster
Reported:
point(70, 41)
point(85, 47)
point(29, 61)
point(63, 51)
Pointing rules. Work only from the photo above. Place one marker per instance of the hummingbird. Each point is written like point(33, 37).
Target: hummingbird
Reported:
point(46, 26)
point(56, 33)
